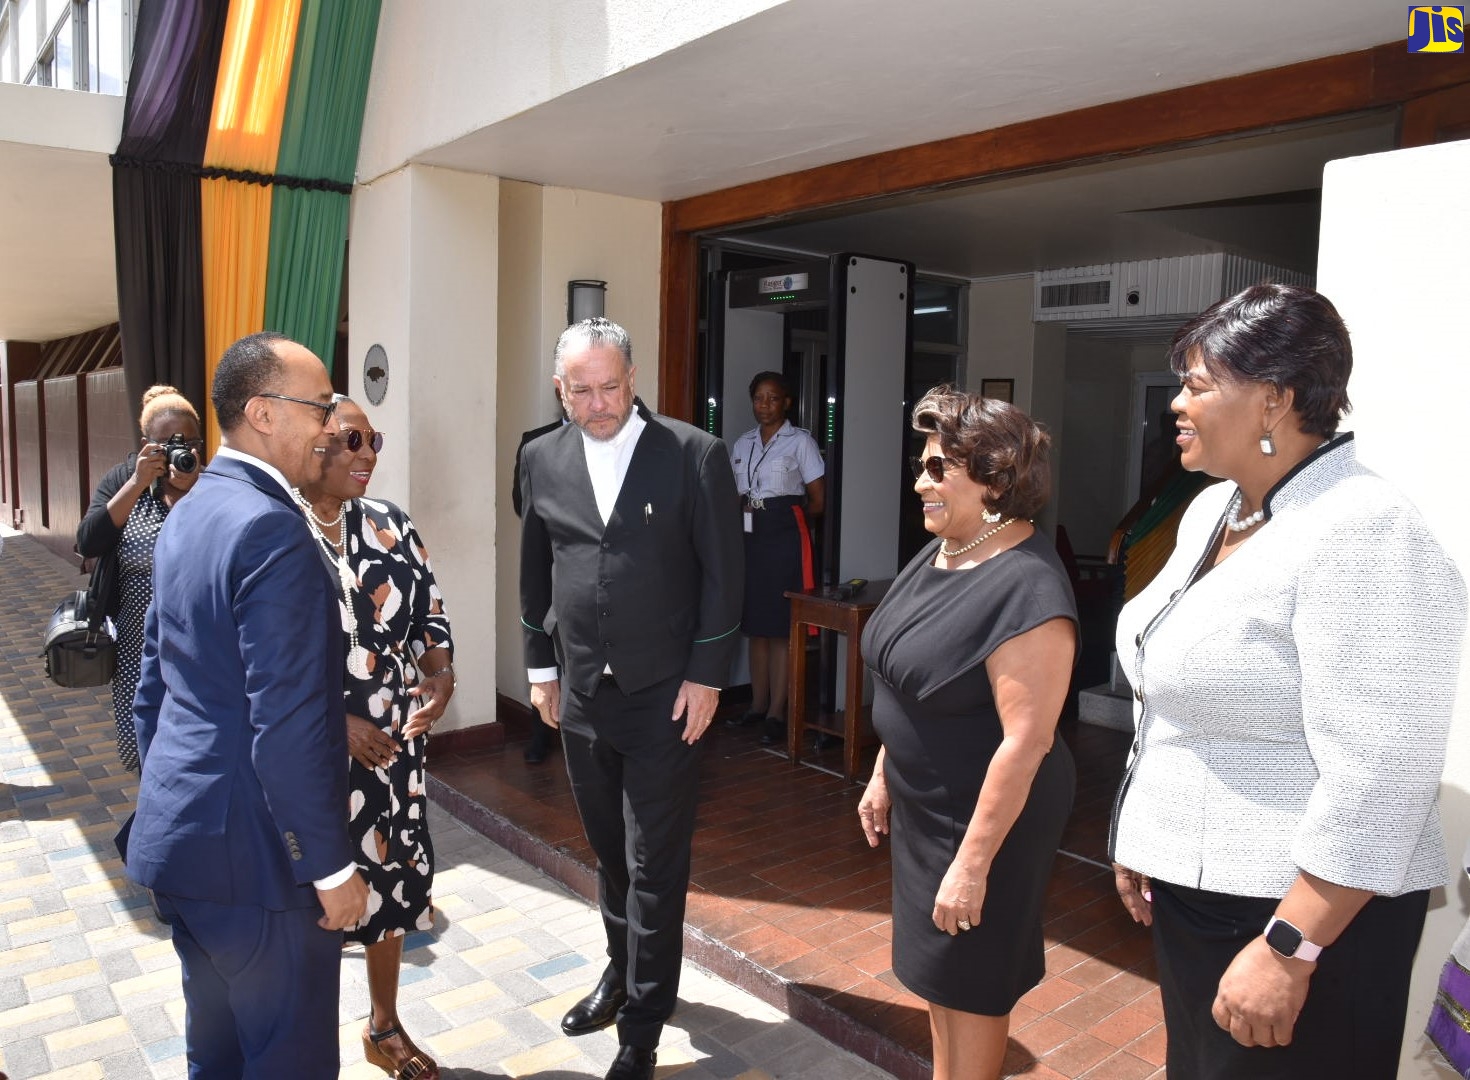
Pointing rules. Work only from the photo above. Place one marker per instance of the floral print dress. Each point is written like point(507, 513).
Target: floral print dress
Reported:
point(399, 615)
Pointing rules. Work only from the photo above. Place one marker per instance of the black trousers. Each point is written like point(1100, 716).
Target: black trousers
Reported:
point(635, 782)
point(1353, 1021)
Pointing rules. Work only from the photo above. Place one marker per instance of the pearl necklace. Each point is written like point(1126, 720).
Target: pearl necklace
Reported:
point(975, 542)
point(356, 655)
point(1250, 521)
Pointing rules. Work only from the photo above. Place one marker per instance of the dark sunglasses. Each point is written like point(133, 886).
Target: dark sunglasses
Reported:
point(935, 466)
point(327, 407)
point(354, 440)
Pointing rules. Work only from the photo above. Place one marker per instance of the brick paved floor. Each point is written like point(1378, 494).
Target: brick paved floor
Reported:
point(89, 985)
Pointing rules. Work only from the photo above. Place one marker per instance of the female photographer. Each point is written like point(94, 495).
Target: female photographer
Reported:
point(120, 527)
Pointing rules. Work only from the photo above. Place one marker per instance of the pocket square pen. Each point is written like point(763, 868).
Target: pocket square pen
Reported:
point(647, 513)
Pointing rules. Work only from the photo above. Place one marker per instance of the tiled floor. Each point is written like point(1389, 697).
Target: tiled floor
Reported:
point(789, 902)
point(90, 986)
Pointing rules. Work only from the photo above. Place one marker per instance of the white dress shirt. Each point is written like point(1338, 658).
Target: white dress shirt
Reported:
point(331, 881)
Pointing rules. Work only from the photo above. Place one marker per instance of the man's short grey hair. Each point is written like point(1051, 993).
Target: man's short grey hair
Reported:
point(592, 333)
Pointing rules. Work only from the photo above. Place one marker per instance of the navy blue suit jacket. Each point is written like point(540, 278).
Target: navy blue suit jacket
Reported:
point(241, 728)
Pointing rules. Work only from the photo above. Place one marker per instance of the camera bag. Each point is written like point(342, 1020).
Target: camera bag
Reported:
point(79, 649)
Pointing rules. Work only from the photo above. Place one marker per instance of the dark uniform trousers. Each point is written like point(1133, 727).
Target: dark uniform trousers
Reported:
point(635, 781)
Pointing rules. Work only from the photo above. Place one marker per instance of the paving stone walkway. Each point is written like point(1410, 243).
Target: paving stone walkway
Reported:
point(89, 984)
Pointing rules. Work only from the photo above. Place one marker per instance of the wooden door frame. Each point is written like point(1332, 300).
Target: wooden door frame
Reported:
point(1314, 90)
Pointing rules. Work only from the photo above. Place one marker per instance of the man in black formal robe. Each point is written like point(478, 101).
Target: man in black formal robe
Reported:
point(631, 586)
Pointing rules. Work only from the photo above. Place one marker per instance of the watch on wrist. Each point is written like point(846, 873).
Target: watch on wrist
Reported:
point(1290, 942)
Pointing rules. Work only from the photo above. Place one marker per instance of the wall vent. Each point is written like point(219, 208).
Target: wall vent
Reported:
point(1150, 288)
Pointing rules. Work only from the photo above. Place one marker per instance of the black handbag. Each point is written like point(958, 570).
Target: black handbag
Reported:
point(78, 647)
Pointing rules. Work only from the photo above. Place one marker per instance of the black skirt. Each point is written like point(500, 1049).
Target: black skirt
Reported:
point(778, 559)
point(1353, 1021)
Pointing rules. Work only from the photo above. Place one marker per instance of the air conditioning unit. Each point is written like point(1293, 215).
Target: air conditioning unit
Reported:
point(1149, 288)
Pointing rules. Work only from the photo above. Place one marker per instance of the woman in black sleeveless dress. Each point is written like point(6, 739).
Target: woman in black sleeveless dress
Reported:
point(971, 653)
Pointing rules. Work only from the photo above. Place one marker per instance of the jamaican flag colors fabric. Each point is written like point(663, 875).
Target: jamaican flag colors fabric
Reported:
point(232, 179)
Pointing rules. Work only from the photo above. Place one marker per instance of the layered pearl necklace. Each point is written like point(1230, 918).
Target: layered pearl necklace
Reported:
point(356, 655)
point(948, 554)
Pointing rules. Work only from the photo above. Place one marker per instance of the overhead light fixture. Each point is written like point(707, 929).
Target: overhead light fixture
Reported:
point(586, 299)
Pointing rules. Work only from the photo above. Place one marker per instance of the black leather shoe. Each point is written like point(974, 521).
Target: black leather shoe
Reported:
point(775, 733)
point(596, 1010)
point(539, 748)
point(823, 741)
point(632, 1064)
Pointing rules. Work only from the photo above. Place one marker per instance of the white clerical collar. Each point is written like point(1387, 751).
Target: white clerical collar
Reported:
point(264, 466)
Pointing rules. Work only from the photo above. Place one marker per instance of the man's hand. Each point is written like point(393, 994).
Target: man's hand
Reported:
point(700, 703)
point(345, 905)
point(1261, 995)
point(546, 700)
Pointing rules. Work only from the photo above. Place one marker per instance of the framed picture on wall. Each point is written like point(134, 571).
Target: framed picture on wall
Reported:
point(1000, 389)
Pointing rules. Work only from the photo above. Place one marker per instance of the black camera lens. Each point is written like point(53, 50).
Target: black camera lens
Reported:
point(179, 454)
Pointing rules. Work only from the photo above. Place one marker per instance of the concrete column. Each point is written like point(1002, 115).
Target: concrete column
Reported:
point(424, 270)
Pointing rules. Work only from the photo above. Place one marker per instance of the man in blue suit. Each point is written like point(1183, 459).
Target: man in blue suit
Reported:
point(241, 822)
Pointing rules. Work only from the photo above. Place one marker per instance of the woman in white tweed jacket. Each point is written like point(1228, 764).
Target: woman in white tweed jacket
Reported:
point(1294, 668)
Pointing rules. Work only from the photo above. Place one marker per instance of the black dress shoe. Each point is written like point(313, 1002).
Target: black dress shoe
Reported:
point(632, 1064)
point(596, 1010)
point(824, 741)
point(744, 719)
point(775, 733)
point(539, 749)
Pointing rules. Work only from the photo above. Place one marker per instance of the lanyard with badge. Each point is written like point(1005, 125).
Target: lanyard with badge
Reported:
point(752, 470)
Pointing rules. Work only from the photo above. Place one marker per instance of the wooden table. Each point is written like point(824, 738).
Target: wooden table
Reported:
point(818, 607)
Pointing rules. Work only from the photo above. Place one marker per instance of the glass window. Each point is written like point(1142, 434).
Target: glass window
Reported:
point(23, 12)
point(55, 9)
point(64, 75)
point(936, 312)
point(7, 47)
point(107, 32)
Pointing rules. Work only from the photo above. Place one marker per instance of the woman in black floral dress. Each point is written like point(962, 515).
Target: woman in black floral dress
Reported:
point(399, 678)
point(119, 531)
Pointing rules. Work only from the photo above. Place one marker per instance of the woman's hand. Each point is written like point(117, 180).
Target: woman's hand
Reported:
point(370, 746)
point(152, 465)
point(961, 898)
point(1136, 892)
point(1261, 994)
point(435, 691)
point(874, 806)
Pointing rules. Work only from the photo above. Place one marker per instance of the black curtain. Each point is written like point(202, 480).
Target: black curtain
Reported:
point(155, 194)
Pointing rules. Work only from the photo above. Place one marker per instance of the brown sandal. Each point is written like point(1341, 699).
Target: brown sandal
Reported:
point(418, 1067)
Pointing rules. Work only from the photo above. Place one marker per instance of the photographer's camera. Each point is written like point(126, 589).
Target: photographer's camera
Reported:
point(179, 453)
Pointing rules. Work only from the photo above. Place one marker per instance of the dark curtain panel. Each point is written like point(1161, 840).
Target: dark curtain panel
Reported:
point(155, 194)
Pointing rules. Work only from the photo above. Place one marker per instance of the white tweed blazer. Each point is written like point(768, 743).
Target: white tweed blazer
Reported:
point(1291, 706)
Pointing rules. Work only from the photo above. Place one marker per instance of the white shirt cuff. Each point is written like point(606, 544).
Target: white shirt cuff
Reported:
point(541, 674)
point(336, 879)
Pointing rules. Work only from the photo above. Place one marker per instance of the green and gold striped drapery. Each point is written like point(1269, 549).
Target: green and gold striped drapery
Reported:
point(233, 176)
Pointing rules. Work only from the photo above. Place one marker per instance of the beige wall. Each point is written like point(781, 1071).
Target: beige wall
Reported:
point(1392, 259)
point(1000, 343)
point(550, 236)
point(424, 269)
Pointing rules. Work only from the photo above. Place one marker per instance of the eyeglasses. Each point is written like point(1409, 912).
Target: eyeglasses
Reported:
point(354, 440)
point(935, 466)
point(327, 407)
